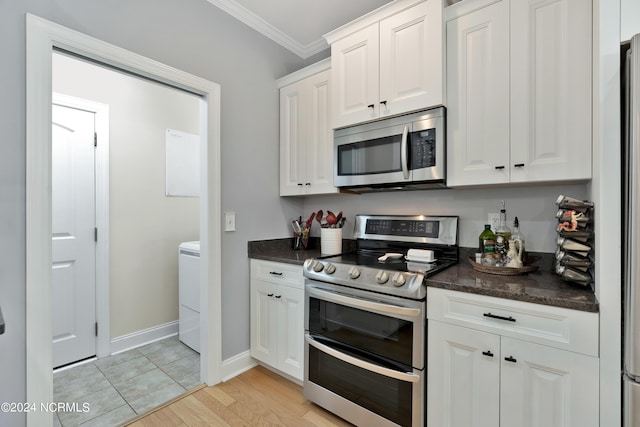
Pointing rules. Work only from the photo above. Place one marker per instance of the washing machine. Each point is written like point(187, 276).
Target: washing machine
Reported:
point(189, 294)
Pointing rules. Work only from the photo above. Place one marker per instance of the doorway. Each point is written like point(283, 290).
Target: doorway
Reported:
point(43, 38)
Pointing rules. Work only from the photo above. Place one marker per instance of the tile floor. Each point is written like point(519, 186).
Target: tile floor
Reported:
point(119, 388)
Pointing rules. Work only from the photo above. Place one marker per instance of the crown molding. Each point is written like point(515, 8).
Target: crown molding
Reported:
point(249, 18)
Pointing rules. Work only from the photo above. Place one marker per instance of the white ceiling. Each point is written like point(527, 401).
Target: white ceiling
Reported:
point(298, 25)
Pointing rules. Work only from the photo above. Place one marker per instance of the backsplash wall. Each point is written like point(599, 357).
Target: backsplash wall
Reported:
point(533, 205)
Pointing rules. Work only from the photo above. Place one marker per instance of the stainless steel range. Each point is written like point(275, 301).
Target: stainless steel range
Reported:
point(365, 319)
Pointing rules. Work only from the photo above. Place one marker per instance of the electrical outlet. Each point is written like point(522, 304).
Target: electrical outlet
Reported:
point(494, 220)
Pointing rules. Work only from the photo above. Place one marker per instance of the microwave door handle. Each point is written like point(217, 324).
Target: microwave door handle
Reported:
point(390, 373)
point(404, 155)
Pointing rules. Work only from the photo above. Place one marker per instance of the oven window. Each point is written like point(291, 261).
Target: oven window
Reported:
point(381, 155)
point(384, 336)
point(387, 397)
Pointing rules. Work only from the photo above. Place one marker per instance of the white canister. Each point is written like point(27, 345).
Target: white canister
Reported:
point(330, 241)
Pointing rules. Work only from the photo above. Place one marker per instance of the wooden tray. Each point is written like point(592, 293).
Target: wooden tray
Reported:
point(503, 271)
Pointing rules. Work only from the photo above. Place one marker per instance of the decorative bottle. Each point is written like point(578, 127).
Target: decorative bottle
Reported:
point(487, 242)
point(503, 233)
point(517, 235)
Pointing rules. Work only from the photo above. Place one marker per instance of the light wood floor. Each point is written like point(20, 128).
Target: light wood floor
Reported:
point(257, 397)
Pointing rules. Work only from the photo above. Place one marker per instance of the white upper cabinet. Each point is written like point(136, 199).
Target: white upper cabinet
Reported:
point(550, 90)
point(306, 137)
point(388, 62)
point(478, 97)
point(519, 91)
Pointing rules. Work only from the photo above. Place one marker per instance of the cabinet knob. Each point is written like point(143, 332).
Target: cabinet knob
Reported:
point(383, 103)
point(269, 295)
point(300, 184)
point(510, 359)
point(499, 167)
point(371, 106)
point(307, 183)
point(518, 165)
point(280, 296)
point(487, 353)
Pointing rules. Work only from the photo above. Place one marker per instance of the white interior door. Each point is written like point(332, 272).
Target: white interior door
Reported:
point(73, 239)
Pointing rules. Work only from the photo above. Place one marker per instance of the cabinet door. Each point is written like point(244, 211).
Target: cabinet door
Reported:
point(550, 90)
point(290, 331)
point(546, 387)
point(463, 377)
point(319, 135)
point(354, 73)
point(263, 322)
point(292, 130)
point(411, 59)
point(478, 97)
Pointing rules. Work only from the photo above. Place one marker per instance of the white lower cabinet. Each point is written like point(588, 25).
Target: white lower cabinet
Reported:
point(486, 378)
point(277, 316)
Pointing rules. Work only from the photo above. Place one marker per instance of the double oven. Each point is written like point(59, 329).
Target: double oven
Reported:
point(365, 320)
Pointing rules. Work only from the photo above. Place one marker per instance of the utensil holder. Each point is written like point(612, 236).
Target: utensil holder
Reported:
point(330, 241)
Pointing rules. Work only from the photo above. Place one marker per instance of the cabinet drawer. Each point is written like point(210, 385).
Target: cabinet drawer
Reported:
point(553, 326)
point(276, 272)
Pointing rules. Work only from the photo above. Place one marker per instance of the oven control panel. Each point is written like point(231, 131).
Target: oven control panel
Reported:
point(404, 284)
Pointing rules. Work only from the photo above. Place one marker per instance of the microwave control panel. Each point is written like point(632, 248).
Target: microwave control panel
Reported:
point(423, 149)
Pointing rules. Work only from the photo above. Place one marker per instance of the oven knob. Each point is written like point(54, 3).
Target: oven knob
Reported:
point(318, 267)
point(398, 280)
point(308, 264)
point(354, 273)
point(330, 269)
point(382, 277)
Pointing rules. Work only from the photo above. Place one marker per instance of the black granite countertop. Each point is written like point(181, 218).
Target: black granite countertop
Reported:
point(281, 250)
point(539, 287)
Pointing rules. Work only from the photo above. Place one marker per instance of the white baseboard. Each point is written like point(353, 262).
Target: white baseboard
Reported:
point(146, 336)
point(236, 365)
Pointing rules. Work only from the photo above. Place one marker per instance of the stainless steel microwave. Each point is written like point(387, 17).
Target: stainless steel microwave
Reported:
point(405, 152)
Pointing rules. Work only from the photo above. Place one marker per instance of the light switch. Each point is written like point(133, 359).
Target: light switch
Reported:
point(229, 221)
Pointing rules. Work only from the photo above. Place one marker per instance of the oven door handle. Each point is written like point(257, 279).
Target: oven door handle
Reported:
point(402, 376)
point(404, 154)
point(357, 302)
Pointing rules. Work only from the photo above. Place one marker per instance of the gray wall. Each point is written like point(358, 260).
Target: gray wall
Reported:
point(533, 205)
point(196, 37)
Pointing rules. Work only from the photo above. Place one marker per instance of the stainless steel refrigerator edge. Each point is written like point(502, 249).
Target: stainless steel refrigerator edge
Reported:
point(630, 171)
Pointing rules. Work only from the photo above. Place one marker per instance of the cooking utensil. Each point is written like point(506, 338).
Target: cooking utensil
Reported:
point(389, 255)
point(331, 218)
point(319, 217)
point(310, 220)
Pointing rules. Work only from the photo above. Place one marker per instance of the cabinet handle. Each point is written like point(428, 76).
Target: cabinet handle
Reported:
point(487, 353)
point(518, 165)
point(307, 183)
point(278, 296)
point(300, 184)
point(269, 295)
point(371, 106)
point(495, 316)
point(383, 103)
point(275, 273)
point(499, 167)
point(510, 359)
